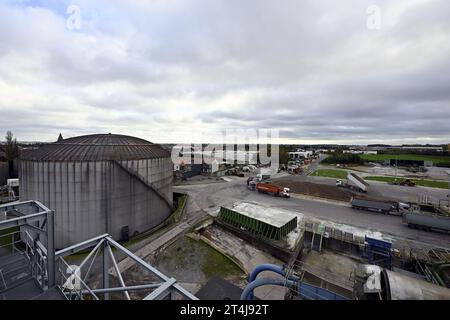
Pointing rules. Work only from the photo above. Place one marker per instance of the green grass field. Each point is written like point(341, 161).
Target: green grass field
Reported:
point(188, 253)
point(330, 173)
point(380, 157)
point(423, 183)
point(217, 264)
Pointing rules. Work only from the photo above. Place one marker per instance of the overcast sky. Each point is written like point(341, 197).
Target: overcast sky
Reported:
point(180, 71)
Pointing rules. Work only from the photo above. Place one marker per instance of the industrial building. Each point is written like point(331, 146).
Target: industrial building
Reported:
point(332, 261)
point(360, 151)
point(274, 227)
point(101, 183)
point(300, 154)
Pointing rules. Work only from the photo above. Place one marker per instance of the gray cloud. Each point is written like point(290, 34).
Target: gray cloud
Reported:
point(174, 70)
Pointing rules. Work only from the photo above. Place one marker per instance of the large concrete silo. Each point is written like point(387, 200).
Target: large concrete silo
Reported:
point(97, 184)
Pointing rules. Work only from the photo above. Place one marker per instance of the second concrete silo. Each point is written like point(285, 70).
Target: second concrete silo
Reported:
point(101, 183)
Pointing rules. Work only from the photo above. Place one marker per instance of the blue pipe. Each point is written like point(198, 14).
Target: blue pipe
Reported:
point(269, 267)
point(247, 294)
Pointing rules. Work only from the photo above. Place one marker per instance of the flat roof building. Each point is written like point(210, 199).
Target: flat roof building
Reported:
point(271, 223)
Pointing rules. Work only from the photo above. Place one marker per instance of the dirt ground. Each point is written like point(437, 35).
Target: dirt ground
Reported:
point(315, 190)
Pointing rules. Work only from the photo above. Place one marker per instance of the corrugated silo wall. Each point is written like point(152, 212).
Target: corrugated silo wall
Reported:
point(92, 198)
point(132, 196)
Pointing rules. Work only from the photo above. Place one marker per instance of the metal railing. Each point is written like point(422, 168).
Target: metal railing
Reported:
point(35, 240)
point(23, 243)
point(34, 237)
point(37, 255)
point(70, 283)
point(299, 268)
point(72, 280)
point(12, 243)
point(310, 292)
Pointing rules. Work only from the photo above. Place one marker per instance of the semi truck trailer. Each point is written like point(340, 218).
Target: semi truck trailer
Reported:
point(385, 207)
point(271, 189)
point(428, 217)
point(427, 221)
point(353, 182)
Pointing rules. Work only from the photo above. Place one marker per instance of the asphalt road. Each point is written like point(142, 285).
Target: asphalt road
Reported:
point(209, 198)
point(384, 190)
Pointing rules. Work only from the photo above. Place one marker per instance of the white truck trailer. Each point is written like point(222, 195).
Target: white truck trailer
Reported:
point(354, 182)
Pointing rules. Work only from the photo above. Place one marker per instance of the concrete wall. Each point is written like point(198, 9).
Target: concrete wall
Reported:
point(269, 246)
point(91, 198)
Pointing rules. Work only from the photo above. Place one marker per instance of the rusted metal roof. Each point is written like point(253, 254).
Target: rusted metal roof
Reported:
point(97, 147)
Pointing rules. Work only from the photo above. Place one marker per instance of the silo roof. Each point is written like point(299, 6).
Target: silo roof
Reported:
point(97, 147)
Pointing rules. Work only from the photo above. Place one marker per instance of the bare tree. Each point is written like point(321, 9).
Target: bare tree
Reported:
point(11, 152)
point(11, 147)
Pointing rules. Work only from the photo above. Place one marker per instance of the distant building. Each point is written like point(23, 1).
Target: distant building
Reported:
point(419, 148)
point(300, 154)
point(360, 151)
point(378, 147)
point(416, 148)
point(230, 157)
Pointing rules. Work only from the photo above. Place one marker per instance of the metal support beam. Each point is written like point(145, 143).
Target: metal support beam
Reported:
point(51, 269)
point(132, 256)
point(119, 275)
point(105, 270)
point(18, 205)
point(80, 246)
point(91, 254)
point(121, 289)
point(156, 272)
point(17, 222)
point(34, 228)
point(162, 291)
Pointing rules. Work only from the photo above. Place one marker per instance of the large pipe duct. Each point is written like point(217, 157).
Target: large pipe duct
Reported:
point(247, 294)
point(269, 267)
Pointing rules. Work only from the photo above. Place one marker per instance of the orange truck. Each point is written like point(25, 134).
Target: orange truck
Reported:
point(273, 190)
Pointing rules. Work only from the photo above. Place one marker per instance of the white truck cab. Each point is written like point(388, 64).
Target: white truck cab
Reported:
point(13, 189)
point(286, 192)
point(404, 206)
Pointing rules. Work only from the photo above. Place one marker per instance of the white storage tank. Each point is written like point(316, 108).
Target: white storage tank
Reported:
point(102, 183)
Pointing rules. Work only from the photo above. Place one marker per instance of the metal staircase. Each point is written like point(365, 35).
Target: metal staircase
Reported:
point(31, 268)
point(17, 281)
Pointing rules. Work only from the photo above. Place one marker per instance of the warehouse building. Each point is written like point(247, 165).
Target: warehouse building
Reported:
point(300, 155)
point(100, 183)
point(254, 220)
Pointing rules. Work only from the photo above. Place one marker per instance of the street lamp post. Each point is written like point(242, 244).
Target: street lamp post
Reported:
point(448, 196)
